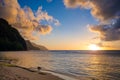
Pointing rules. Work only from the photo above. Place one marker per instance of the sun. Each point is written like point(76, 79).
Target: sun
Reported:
point(94, 47)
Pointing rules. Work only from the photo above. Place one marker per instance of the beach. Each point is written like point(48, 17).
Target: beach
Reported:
point(12, 72)
point(59, 65)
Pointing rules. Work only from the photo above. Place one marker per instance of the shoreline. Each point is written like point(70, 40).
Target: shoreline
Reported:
point(32, 74)
point(13, 72)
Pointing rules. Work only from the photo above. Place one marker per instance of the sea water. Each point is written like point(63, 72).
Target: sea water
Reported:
point(92, 65)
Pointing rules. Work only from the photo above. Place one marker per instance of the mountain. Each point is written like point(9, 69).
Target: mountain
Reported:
point(10, 39)
point(33, 46)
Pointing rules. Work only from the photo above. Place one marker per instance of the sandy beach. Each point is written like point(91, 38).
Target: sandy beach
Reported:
point(8, 72)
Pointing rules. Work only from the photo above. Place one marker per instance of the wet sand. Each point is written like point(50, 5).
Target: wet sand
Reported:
point(8, 72)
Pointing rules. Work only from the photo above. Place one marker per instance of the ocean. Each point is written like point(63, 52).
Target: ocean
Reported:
point(91, 65)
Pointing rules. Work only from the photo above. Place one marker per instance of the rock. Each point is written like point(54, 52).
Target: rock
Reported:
point(10, 39)
point(33, 46)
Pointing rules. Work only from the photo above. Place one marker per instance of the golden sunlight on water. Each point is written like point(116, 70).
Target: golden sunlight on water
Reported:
point(21, 59)
point(98, 67)
point(93, 68)
point(28, 59)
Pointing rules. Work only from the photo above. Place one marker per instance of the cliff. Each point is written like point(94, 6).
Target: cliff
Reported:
point(33, 46)
point(10, 39)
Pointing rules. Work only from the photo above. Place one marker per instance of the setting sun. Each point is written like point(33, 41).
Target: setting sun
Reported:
point(93, 47)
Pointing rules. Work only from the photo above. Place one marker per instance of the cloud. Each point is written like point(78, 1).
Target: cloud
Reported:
point(25, 20)
point(101, 44)
point(109, 32)
point(76, 3)
point(107, 12)
point(44, 29)
point(101, 9)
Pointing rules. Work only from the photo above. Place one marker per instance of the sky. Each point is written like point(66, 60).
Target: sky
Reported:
point(65, 24)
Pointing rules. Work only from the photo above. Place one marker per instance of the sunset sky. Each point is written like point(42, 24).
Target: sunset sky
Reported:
point(66, 24)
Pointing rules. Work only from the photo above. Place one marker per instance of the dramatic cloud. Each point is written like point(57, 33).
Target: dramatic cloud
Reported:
point(25, 20)
point(106, 11)
point(109, 32)
point(101, 9)
point(104, 45)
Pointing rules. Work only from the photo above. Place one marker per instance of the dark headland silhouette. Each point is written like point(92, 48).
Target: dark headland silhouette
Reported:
point(11, 40)
point(33, 46)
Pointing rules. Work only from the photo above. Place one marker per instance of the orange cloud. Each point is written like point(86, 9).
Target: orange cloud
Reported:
point(25, 20)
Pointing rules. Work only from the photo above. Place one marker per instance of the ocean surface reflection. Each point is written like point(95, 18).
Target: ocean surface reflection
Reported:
point(102, 65)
